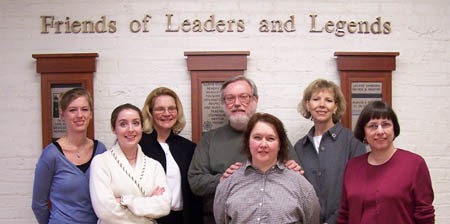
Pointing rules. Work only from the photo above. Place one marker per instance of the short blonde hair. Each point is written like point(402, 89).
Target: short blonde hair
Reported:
point(317, 85)
point(150, 103)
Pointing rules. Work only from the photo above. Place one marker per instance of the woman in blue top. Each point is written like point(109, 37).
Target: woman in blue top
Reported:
point(62, 172)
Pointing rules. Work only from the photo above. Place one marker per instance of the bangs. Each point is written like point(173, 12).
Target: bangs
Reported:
point(380, 113)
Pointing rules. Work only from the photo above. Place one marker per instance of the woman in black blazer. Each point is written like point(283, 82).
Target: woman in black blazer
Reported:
point(163, 120)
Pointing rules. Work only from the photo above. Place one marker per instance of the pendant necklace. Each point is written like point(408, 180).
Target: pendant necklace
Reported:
point(80, 148)
point(80, 151)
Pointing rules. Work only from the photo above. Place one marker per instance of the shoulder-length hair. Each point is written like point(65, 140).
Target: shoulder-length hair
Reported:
point(150, 103)
point(279, 129)
point(317, 85)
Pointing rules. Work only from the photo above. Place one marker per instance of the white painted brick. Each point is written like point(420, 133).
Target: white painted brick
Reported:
point(130, 65)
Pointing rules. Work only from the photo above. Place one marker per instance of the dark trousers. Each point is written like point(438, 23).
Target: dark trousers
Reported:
point(208, 218)
point(174, 217)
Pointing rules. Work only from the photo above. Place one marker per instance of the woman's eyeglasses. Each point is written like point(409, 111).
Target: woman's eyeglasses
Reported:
point(160, 110)
point(374, 126)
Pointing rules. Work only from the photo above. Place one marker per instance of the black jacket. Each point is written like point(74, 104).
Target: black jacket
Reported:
point(182, 151)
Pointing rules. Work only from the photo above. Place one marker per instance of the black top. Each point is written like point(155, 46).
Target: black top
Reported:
point(182, 151)
point(85, 166)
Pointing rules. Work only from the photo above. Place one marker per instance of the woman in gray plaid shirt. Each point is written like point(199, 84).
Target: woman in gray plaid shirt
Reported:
point(263, 190)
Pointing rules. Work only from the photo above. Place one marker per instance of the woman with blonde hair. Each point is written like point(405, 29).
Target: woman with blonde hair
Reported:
point(163, 121)
point(62, 172)
point(324, 151)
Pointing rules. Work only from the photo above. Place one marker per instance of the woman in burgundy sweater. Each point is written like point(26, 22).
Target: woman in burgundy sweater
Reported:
point(388, 184)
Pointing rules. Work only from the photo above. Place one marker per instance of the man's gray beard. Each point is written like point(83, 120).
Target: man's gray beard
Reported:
point(239, 122)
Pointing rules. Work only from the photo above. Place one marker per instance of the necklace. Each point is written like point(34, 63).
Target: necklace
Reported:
point(78, 149)
point(78, 153)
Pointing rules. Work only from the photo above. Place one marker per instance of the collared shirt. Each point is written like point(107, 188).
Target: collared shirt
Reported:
point(216, 151)
point(277, 196)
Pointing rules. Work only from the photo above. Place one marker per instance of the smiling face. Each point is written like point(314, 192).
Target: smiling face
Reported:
point(128, 128)
point(264, 144)
point(379, 134)
point(77, 115)
point(164, 113)
point(239, 103)
point(322, 106)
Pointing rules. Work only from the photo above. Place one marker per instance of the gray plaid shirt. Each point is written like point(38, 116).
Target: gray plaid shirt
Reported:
point(274, 197)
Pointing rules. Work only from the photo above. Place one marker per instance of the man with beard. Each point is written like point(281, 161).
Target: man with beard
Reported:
point(221, 148)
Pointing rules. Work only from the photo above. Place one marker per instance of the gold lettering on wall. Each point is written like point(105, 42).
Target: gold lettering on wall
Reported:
point(341, 27)
point(209, 25)
point(137, 26)
point(277, 25)
point(50, 25)
point(213, 24)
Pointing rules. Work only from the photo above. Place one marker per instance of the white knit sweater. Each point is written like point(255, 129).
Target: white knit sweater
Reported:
point(109, 180)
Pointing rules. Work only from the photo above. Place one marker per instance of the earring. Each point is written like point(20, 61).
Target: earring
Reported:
point(365, 141)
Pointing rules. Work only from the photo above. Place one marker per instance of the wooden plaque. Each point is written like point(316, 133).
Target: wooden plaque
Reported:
point(59, 73)
point(208, 71)
point(365, 77)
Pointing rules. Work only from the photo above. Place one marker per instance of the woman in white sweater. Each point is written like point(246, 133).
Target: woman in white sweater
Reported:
point(126, 186)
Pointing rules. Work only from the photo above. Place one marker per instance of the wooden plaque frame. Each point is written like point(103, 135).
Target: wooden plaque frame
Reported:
point(365, 67)
point(210, 66)
point(63, 71)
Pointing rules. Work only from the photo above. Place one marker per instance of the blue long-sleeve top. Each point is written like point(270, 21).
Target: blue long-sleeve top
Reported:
point(64, 184)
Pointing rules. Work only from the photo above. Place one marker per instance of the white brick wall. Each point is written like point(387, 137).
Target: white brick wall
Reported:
point(282, 64)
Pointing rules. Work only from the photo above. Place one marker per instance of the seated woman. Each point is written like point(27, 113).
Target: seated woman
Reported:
point(263, 189)
point(127, 186)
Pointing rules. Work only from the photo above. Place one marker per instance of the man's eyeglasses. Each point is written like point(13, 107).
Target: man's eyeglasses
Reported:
point(160, 110)
point(243, 98)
